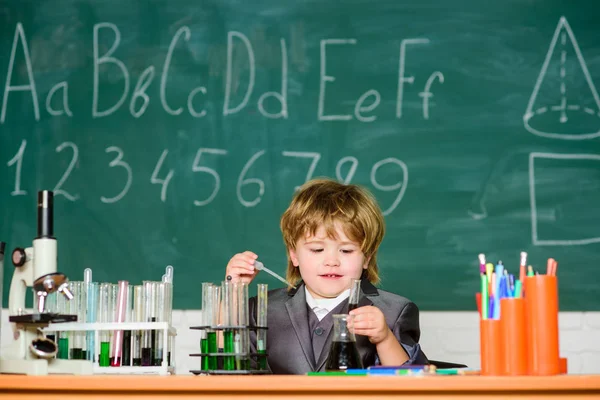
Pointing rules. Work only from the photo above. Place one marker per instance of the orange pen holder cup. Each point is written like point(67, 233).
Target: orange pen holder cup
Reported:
point(541, 311)
point(491, 347)
point(514, 340)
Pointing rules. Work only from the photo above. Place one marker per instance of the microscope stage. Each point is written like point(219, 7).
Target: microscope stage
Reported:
point(42, 318)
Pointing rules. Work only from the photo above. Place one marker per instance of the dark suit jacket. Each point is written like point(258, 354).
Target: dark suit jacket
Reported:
point(289, 343)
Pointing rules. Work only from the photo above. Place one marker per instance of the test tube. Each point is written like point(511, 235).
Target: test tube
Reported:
point(354, 295)
point(168, 314)
point(51, 307)
point(148, 336)
point(75, 345)
point(81, 317)
point(126, 359)
point(121, 310)
point(62, 305)
point(138, 316)
point(160, 317)
point(212, 334)
point(228, 321)
point(261, 322)
point(205, 322)
point(92, 306)
point(243, 341)
point(104, 316)
point(113, 291)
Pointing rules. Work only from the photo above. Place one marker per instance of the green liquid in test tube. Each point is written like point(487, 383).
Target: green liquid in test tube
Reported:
point(104, 354)
point(212, 348)
point(63, 347)
point(229, 361)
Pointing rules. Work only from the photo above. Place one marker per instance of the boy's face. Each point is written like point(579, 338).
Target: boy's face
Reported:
point(328, 266)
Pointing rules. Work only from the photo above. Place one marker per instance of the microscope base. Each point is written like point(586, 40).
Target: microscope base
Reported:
point(45, 367)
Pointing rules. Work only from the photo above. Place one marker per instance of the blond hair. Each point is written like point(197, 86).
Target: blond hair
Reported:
point(323, 202)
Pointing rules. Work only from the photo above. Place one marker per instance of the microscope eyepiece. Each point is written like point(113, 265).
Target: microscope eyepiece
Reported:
point(45, 214)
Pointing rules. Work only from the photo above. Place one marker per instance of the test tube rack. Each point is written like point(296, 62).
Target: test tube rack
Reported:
point(97, 327)
point(222, 355)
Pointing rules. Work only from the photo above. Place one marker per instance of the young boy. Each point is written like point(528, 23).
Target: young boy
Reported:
point(332, 233)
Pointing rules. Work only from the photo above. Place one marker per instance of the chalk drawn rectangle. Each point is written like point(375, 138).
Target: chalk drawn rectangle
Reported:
point(571, 180)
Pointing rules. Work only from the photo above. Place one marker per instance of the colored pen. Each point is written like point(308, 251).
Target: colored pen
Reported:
point(489, 269)
point(522, 268)
point(482, 263)
point(518, 289)
point(529, 270)
point(484, 297)
point(549, 264)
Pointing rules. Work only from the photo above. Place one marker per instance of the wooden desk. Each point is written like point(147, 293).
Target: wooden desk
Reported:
point(64, 387)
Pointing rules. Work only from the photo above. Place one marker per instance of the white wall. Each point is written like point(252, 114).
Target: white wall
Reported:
point(445, 336)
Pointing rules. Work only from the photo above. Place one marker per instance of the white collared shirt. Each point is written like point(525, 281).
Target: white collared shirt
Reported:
point(322, 307)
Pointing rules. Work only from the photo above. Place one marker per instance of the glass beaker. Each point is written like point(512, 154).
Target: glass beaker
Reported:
point(343, 353)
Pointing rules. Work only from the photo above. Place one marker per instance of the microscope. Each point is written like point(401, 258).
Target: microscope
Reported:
point(31, 352)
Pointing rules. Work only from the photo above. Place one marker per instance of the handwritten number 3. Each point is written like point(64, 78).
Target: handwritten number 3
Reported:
point(118, 162)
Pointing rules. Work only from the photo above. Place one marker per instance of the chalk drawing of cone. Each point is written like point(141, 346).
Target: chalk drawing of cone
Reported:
point(564, 103)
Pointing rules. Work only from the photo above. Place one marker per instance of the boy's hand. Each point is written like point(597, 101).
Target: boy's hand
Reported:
point(369, 321)
point(241, 267)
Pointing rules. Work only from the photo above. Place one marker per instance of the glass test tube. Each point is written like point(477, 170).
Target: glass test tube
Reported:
point(148, 336)
point(137, 316)
point(75, 347)
point(51, 307)
point(354, 295)
point(113, 291)
point(261, 321)
point(126, 358)
point(63, 336)
point(80, 342)
point(213, 346)
point(206, 321)
point(243, 343)
point(103, 315)
point(227, 288)
point(168, 314)
point(90, 317)
point(85, 287)
point(120, 310)
point(160, 317)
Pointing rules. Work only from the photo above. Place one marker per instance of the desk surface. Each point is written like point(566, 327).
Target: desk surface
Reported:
point(295, 387)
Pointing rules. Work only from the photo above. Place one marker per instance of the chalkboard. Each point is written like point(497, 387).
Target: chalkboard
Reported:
point(175, 133)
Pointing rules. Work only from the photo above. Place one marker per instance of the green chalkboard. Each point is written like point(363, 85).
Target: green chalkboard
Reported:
point(175, 132)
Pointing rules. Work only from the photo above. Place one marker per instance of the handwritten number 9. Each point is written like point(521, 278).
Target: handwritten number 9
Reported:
point(388, 188)
point(118, 162)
